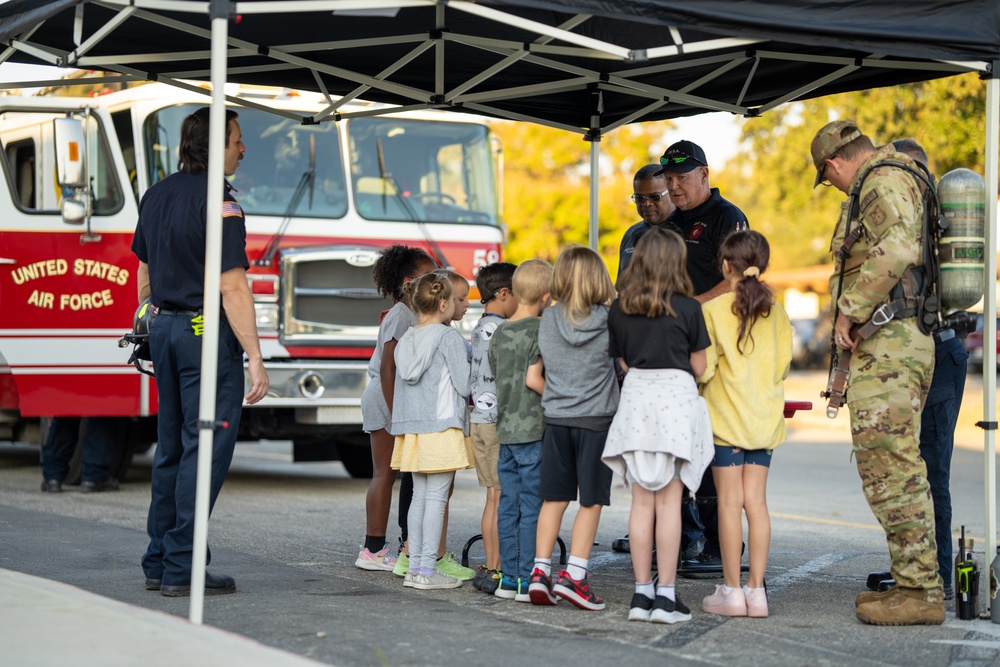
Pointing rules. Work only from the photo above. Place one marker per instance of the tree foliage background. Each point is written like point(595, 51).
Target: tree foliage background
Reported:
point(546, 179)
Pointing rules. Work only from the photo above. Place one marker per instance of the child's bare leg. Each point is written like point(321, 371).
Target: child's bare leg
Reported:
point(491, 540)
point(668, 531)
point(379, 498)
point(549, 523)
point(758, 520)
point(584, 531)
point(729, 487)
point(640, 533)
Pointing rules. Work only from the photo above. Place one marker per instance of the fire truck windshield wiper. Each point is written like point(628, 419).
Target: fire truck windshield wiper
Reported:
point(389, 183)
point(307, 180)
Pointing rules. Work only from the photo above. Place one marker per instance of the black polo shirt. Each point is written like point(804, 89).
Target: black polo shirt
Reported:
point(630, 238)
point(703, 229)
point(170, 239)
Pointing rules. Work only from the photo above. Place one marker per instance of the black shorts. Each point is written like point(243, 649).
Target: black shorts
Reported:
point(571, 460)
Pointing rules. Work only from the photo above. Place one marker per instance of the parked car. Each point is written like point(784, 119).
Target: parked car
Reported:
point(974, 344)
point(811, 343)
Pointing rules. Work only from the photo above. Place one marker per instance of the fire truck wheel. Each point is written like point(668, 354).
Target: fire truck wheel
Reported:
point(356, 458)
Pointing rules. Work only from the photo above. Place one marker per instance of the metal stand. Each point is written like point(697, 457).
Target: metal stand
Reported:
point(476, 538)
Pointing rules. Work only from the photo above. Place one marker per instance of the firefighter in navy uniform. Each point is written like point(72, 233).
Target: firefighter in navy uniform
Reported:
point(170, 244)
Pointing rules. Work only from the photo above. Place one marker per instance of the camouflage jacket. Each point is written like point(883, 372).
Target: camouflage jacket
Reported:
point(891, 214)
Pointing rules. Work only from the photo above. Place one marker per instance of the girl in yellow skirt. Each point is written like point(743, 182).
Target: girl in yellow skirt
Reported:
point(430, 421)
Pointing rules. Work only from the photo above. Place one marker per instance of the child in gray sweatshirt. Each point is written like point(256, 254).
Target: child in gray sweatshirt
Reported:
point(430, 422)
point(578, 404)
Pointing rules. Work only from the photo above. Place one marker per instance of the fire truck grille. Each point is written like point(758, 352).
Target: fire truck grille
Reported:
point(329, 298)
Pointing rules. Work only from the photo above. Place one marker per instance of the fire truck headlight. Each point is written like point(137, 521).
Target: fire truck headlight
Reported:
point(267, 316)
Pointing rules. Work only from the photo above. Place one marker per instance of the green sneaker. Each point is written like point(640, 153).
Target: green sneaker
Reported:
point(402, 565)
point(447, 565)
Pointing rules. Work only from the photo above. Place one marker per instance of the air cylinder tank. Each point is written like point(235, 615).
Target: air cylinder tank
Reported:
point(962, 194)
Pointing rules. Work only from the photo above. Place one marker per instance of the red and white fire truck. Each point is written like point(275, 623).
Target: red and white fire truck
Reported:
point(321, 198)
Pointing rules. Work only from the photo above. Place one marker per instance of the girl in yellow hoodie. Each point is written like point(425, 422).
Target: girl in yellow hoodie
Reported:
point(747, 364)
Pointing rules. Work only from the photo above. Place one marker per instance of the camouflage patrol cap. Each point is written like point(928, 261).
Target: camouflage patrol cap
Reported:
point(831, 138)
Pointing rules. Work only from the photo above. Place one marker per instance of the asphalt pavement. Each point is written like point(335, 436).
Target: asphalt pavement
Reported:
point(71, 591)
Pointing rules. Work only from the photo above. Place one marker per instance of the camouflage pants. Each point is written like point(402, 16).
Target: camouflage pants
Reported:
point(890, 375)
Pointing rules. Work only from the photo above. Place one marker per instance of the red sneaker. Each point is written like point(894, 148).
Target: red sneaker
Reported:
point(577, 592)
point(540, 589)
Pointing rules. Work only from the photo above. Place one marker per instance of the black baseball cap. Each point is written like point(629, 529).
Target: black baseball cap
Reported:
point(682, 157)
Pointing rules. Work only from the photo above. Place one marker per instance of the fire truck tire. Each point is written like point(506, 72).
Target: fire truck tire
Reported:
point(357, 459)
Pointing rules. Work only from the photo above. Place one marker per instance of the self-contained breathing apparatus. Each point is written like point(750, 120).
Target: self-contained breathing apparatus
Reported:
point(949, 278)
point(142, 322)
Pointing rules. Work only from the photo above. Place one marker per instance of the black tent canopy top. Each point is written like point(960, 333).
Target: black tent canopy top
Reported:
point(584, 65)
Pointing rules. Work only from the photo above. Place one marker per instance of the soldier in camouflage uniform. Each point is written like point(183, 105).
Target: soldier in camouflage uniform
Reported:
point(890, 371)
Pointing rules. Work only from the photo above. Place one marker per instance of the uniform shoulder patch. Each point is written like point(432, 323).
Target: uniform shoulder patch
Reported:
point(872, 195)
point(876, 215)
point(231, 209)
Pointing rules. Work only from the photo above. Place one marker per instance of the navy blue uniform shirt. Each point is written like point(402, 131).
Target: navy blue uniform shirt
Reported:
point(170, 239)
point(703, 229)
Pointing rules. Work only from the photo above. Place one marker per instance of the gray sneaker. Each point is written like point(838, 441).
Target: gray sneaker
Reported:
point(434, 581)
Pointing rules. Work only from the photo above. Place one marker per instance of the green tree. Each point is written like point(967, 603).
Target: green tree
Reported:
point(547, 186)
point(771, 178)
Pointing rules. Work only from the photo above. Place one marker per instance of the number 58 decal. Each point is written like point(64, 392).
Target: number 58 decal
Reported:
point(482, 257)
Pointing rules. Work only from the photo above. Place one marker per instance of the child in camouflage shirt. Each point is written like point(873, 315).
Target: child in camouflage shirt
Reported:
point(517, 367)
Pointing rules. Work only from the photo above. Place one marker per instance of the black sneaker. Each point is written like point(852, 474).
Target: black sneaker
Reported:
point(477, 581)
point(621, 545)
point(669, 611)
point(705, 566)
point(640, 607)
point(577, 592)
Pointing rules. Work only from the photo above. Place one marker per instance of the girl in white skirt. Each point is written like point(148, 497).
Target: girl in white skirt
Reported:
point(661, 439)
point(430, 422)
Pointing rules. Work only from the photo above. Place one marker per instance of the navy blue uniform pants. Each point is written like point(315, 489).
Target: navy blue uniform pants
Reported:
point(937, 439)
point(98, 448)
point(176, 352)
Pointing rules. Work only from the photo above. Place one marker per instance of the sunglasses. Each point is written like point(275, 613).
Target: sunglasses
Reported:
point(822, 175)
point(677, 157)
point(653, 198)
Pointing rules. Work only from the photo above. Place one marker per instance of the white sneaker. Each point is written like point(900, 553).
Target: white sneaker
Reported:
point(408, 579)
point(434, 581)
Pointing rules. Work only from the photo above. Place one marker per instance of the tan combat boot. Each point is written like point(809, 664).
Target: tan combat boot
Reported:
point(903, 607)
point(870, 596)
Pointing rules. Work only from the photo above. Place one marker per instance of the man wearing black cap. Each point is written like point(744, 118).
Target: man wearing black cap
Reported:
point(704, 220)
point(703, 217)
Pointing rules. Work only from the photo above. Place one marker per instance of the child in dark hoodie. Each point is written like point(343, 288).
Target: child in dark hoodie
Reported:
point(430, 421)
point(578, 404)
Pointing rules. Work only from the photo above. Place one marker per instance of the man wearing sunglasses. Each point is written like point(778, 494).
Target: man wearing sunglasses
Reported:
point(703, 217)
point(652, 203)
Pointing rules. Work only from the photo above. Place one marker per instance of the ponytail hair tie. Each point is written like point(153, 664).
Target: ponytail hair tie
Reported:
point(751, 271)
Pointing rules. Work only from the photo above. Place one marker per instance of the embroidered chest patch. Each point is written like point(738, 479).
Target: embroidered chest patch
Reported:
point(696, 231)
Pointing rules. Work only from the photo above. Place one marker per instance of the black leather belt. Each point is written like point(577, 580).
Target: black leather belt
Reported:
point(185, 313)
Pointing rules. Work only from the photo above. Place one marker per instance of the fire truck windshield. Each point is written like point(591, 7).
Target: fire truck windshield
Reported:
point(401, 170)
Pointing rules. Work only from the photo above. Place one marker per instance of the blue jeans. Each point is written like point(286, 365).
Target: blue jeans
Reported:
point(937, 439)
point(98, 448)
point(519, 468)
point(176, 353)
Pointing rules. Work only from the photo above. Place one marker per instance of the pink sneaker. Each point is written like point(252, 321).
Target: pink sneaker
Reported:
point(756, 602)
point(383, 560)
point(733, 604)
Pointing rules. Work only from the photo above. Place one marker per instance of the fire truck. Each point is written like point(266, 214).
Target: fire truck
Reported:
point(321, 199)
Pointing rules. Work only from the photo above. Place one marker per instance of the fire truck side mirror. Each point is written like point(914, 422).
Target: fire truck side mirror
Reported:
point(73, 212)
point(70, 153)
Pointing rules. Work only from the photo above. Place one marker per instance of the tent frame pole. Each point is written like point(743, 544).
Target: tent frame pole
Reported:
point(212, 307)
point(989, 320)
